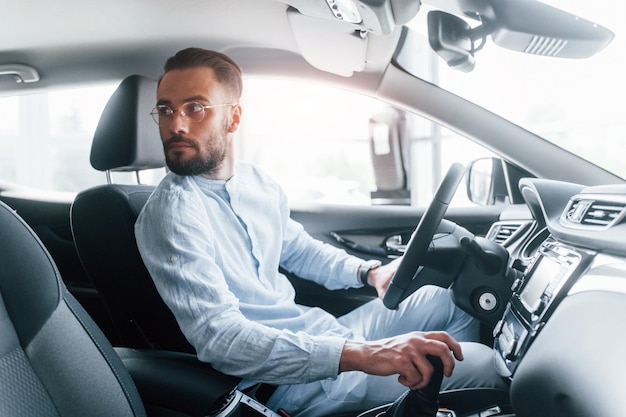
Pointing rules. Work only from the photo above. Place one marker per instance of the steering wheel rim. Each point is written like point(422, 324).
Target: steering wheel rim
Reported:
point(403, 283)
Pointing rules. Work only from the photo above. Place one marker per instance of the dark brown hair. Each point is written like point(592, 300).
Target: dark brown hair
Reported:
point(227, 72)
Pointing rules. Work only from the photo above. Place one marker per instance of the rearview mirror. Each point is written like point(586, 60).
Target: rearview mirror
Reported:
point(531, 27)
point(449, 36)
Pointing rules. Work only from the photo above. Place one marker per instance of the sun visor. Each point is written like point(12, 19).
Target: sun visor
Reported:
point(327, 45)
point(380, 17)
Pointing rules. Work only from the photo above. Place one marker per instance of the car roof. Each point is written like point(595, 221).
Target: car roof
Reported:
point(72, 41)
point(76, 42)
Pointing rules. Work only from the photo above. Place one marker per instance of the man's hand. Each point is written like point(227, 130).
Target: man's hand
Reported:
point(404, 355)
point(380, 277)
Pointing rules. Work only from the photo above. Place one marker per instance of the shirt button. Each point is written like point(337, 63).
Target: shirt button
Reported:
point(174, 258)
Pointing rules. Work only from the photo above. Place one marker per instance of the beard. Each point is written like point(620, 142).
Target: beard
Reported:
point(201, 163)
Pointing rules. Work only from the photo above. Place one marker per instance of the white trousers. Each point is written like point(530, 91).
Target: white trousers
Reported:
point(428, 309)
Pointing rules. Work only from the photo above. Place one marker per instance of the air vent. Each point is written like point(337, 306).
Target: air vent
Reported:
point(594, 213)
point(505, 232)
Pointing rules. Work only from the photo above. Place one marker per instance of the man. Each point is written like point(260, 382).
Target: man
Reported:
point(213, 236)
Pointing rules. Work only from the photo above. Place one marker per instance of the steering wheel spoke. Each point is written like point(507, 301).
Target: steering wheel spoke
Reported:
point(404, 283)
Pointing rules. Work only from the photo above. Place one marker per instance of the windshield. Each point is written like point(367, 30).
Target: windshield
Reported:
point(572, 103)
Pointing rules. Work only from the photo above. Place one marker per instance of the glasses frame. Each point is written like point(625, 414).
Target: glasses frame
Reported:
point(156, 116)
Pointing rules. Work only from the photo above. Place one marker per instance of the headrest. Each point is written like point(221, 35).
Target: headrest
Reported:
point(126, 138)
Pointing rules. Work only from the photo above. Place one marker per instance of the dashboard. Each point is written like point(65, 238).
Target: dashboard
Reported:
point(562, 338)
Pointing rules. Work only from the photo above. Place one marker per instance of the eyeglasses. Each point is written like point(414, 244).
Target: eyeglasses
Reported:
point(163, 115)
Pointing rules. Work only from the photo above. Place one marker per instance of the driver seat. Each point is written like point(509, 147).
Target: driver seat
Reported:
point(103, 218)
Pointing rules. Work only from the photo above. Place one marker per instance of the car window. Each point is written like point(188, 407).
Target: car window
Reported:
point(315, 141)
point(319, 143)
point(45, 138)
point(45, 141)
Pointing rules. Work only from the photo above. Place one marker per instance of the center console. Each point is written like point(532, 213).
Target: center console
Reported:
point(536, 294)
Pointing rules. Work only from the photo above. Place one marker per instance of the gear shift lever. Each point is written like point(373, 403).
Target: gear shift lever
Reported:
point(423, 402)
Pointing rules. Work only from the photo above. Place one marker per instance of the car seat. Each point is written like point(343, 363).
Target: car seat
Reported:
point(103, 217)
point(54, 361)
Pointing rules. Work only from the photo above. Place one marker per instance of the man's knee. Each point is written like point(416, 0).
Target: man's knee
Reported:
point(477, 370)
point(427, 297)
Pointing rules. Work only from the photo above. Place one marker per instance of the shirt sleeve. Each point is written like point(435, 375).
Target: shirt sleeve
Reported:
point(179, 254)
point(315, 260)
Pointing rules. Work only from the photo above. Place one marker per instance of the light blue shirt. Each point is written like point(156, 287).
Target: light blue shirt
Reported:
point(214, 249)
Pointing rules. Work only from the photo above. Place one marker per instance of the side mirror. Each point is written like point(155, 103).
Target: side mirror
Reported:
point(485, 182)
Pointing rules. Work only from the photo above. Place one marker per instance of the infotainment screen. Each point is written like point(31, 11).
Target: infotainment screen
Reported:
point(547, 276)
point(546, 282)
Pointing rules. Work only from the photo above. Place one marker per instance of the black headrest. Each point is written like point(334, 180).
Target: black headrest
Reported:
point(127, 139)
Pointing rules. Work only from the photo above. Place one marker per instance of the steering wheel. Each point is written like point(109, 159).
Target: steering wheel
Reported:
point(406, 280)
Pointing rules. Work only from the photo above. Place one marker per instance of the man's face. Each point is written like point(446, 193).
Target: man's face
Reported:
point(191, 147)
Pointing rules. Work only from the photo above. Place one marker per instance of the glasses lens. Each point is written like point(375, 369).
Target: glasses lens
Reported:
point(162, 115)
point(194, 110)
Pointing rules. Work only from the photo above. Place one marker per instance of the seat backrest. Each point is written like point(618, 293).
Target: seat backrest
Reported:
point(103, 218)
point(54, 360)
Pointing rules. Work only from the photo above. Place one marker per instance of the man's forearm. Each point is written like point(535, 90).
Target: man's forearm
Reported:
point(404, 355)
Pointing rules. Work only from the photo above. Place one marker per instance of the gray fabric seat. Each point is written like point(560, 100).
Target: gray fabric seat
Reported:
point(54, 360)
